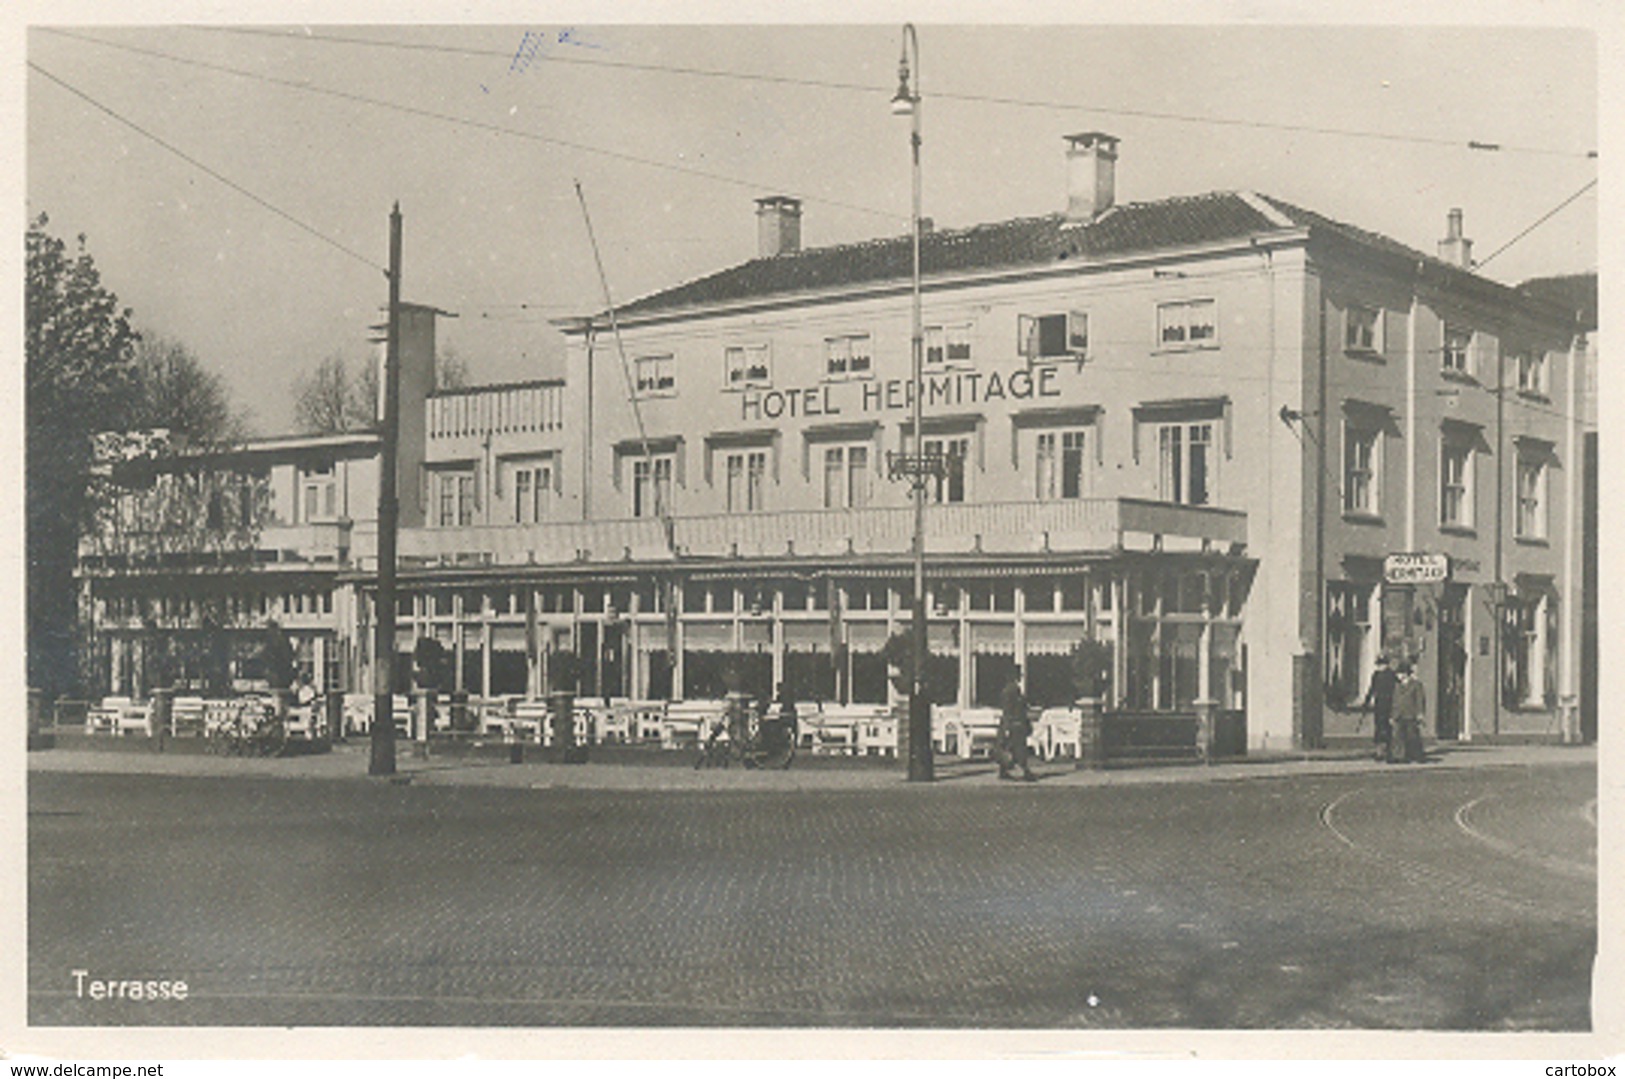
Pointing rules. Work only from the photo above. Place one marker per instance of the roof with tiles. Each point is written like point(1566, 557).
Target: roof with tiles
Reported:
point(1024, 241)
point(1181, 222)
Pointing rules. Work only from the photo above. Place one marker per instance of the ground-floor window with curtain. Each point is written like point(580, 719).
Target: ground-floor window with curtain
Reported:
point(1350, 642)
point(1529, 635)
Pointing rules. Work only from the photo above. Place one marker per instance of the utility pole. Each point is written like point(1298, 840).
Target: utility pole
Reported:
point(389, 510)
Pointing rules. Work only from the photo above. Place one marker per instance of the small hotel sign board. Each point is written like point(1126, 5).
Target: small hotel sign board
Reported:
point(1416, 568)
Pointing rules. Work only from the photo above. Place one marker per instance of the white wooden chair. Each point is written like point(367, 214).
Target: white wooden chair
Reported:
point(106, 717)
point(1059, 732)
point(186, 717)
point(877, 734)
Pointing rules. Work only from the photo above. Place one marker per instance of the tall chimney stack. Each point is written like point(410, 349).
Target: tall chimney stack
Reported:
point(1455, 248)
point(1091, 167)
point(778, 226)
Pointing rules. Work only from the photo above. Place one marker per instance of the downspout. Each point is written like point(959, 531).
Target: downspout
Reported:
point(1319, 636)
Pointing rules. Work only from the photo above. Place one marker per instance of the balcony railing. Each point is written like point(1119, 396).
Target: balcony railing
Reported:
point(1076, 525)
point(496, 410)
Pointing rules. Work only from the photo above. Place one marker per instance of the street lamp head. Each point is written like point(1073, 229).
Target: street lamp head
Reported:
point(902, 102)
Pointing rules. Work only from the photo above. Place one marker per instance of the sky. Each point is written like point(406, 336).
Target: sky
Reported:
point(673, 131)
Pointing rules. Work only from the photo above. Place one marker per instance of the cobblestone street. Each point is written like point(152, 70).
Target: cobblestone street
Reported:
point(1452, 899)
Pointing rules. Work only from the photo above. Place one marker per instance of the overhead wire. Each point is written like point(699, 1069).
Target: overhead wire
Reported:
point(1547, 216)
point(210, 171)
point(463, 121)
point(1479, 145)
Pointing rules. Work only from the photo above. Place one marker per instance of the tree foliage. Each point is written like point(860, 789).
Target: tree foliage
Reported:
point(173, 389)
point(79, 350)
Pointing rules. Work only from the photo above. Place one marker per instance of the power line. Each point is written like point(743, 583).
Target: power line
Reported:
point(1548, 215)
point(195, 163)
point(1476, 145)
point(479, 125)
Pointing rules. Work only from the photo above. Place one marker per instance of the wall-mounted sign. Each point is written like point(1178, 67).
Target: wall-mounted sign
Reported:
point(1415, 568)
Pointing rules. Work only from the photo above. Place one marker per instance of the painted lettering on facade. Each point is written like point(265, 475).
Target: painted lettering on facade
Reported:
point(955, 389)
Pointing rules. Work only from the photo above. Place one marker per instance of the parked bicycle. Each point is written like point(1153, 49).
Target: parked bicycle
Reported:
point(254, 728)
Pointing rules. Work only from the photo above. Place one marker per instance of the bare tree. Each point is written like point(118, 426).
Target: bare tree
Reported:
point(336, 395)
point(342, 395)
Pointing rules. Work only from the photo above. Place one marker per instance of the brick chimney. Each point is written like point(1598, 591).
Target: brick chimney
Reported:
point(778, 226)
point(1091, 170)
point(1455, 248)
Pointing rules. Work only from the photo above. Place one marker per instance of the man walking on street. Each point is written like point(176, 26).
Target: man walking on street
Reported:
point(1410, 705)
point(1380, 699)
point(1014, 727)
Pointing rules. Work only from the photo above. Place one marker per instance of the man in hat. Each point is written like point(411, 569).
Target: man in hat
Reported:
point(1410, 705)
point(1015, 724)
point(1380, 699)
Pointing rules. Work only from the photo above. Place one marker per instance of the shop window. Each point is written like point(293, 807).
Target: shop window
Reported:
point(1351, 641)
point(1529, 638)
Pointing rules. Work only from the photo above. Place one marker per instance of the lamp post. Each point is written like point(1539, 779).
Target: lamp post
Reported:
point(915, 466)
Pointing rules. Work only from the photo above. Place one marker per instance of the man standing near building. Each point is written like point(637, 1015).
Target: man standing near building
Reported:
point(1410, 705)
point(1380, 699)
point(1014, 727)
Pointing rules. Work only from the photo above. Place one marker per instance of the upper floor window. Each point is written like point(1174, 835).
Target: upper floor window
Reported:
point(1362, 329)
point(656, 376)
point(846, 476)
point(746, 365)
point(746, 471)
point(848, 356)
point(1186, 463)
point(1053, 337)
point(318, 493)
point(1188, 324)
point(1062, 464)
point(1455, 482)
point(651, 485)
point(947, 346)
point(1531, 496)
point(532, 492)
point(1362, 454)
point(949, 485)
point(454, 500)
point(1532, 372)
point(1457, 354)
